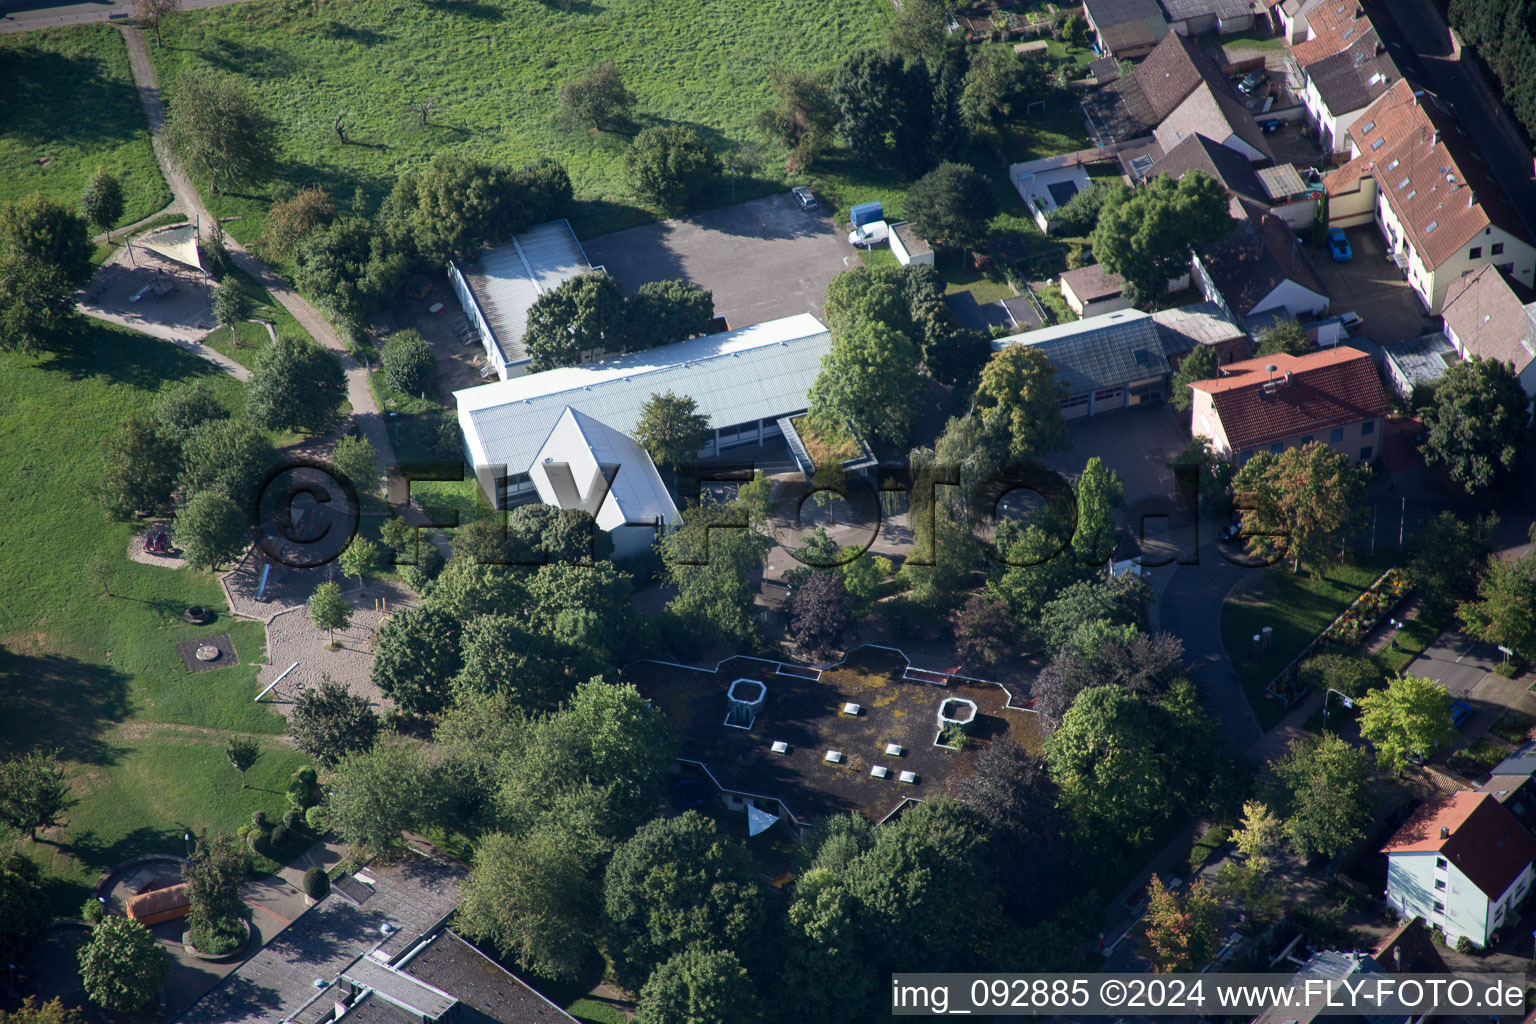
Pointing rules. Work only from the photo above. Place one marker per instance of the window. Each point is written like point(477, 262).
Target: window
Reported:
point(1307, 439)
point(1075, 400)
point(1496, 249)
point(1430, 227)
point(1440, 884)
point(1379, 143)
point(1367, 428)
point(1337, 435)
point(1368, 126)
point(1365, 453)
point(1107, 394)
point(1440, 864)
point(1439, 907)
point(1475, 252)
point(1276, 449)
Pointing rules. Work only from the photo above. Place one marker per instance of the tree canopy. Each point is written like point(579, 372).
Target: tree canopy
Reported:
point(102, 200)
point(670, 165)
point(1300, 504)
point(329, 722)
point(219, 130)
point(121, 966)
point(1411, 715)
point(408, 363)
point(1327, 788)
point(210, 529)
point(1199, 364)
point(295, 385)
point(1504, 611)
point(1479, 424)
point(1146, 236)
point(870, 379)
point(597, 101)
point(579, 318)
point(951, 206)
point(671, 429)
point(33, 793)
point(45, 252)
point(1019, 403)
point(416, 658)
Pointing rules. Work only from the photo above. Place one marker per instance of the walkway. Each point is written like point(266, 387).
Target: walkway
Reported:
point(365, 409)
point(23, 16)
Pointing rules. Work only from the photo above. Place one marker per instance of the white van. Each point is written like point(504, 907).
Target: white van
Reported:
point(873, 233)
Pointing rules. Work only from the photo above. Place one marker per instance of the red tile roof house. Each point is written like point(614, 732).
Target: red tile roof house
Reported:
point(1276, 402)
point(1484, 317)
point(1463, 864)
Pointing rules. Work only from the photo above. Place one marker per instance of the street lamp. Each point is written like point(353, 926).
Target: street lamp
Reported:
point(188, 838)
point(1397, 624)
point(1347, 700)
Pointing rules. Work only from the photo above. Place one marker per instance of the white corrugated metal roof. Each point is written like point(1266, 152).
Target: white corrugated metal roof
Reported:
point(758, 372)
point(509, 279)
point(589, 447)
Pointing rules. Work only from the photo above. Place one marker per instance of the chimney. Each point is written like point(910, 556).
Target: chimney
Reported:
point(1445, 832)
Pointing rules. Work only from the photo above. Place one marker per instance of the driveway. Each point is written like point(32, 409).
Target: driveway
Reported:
point(763, 260)
point(1371, 285)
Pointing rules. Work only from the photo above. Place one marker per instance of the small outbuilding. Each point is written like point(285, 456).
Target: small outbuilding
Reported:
point(908, 247)
point(1093, 290)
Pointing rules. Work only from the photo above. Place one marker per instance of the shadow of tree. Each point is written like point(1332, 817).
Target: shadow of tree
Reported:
point(121, 356)
point(38, 85)
point(53, 701)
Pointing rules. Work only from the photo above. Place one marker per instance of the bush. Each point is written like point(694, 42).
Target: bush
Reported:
point(318, 819)
point(301, 791)
point(1350, 674)
point(259, 819)
point(670, 166)
point(293, 818)
point(1464, 946)
point(281, 837)
point(93, 911)
point(1080, 214)
point(317, 884)
point(408, 363)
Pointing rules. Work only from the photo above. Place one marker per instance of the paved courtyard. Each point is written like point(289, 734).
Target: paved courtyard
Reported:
point(1371, 285)
point(763, 259)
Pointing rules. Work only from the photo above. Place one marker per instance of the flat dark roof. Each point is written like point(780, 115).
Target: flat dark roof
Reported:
point(803, 708)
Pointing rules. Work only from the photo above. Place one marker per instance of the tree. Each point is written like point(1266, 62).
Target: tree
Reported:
point(870, 379)
point(1199, 364)
point(45, 254)
point(529, 895)
point(1198, 463)
point(1079, 215)
point(671, 429)
point(377, 794)
point(329, 611)
point(51, 1012)
point(711, 558)
point(1504, 612)
point(818, 612)
point(138, 468)
point(666, 311)
point(466, 589)
point(1261, 832)
point(231, 306)
point(295, 384)
point(242, 754)
point(1103, 654)
point(1350, 674)
point(1451, 551)
point(360, 558)
point(1284, 337)
point(121, 966)
point(219, 130)
point(1019, 403)
point(1099, 493)
point(329, 722)
point(408, 363)
point(559, 534)
point(1032, 568)
point(1117, 601)
point(579, 319)
point(1479, 424)
point(182, 408)
point(1180, 931)
point(885, 108)
point(213, 877)
point(984, 633)
point(505, 657)
point(355, 459)
point(225, 455)
point(24, 910)
point(290, 221)
point(1410, 716)
point(210, 530)
point(1300, 504)
point(1014, 797)
point(598, 101)
point(102, 200)
point(951, 206)
point(457, 203)
point(804, 120)
point(921, 30)
point(679, 883)
point(1146, 237)
point(152, 14)
point(1327, 789)
point(870, 295)
point(349, 267)
point(670, 166)
point(698, 986)
point(416, 658)
point(995, 85)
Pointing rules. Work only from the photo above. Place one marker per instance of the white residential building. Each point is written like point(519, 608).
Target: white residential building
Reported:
point(1463, 864)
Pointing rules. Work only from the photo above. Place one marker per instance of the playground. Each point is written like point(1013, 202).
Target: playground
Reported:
point(155, 284)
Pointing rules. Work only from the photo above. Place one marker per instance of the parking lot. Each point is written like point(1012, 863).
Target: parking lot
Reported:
point(762, 260)
point(1371, 285)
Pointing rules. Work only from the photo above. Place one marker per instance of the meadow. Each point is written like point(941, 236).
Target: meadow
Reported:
point(97, 677)
point(493, 69)
point(71, 107)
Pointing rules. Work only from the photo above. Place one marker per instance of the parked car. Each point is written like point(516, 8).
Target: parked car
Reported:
point(873, 233)
point(1351, 321)
point(1338, 245)
point(805, 197)
point(1269, 127)
point(1460, 712)
point(1255, 83)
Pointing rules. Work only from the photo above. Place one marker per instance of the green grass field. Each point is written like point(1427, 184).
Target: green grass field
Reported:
point(98, 677)
point(71, 107)
point(254, 337)
point(495, 67)
point(1298, 607)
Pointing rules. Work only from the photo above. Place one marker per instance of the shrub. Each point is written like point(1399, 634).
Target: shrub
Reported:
point(281, 837)
point(93, 911)
point(293, 818)
point(259, 819)
point(317, 884)
point(318, 819)
point(301, 790)
point(408, 363)
point(1464, 946)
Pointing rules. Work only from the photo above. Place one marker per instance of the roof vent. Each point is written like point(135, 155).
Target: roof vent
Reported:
point(780, 747)
point(851, 708)
point(320, 983)
point(834, 757)
point(746, 697)
point(879, 771)
point(386, 929)
point(893, 749)
point(910, 778)
point(1445, 832)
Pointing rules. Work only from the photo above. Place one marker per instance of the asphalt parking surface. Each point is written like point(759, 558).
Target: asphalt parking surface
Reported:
point(1371, 285)
point(763, 259)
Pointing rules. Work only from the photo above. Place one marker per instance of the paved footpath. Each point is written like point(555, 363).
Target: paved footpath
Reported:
point(22, 16)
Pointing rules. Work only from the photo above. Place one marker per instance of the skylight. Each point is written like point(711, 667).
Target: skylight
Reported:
point(1348, 32)
point(1431, 226)
point(1402, 184)
point(1368, 126)
point(1393, 165)
point(1379, 143)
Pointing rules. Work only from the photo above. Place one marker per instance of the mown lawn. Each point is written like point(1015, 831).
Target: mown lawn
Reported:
point(495, 68)
point(1298, 607)
point(97, 677)
point(253, 337)
point(71, 107)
